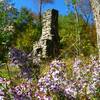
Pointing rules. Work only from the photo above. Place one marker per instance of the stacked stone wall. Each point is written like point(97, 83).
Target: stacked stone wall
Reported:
point(48, 43)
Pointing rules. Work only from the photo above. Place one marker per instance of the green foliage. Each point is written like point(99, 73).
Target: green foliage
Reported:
point(24, 30)
point(6, 27)
point(4, 72)
point(58, 96)
point(27, 30)
point(70, 32)
point(30, 35)
point(19, 29)
point(73, 1)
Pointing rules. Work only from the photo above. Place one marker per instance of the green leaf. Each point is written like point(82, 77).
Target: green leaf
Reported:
point(74, 2)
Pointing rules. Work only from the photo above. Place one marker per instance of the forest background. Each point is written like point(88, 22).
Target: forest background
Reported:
point(21, 27)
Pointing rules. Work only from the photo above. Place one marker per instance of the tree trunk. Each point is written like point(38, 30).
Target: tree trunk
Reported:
point(40, 9)
point(95, 4)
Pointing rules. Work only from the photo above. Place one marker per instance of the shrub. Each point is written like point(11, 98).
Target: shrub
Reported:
point(55, 84)
point(83, 83)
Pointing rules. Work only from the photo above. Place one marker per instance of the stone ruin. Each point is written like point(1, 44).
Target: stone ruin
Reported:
point(48, 44)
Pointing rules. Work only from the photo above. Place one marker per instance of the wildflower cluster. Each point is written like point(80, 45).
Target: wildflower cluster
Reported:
point(20, 59)
point(81, 83)
point(23, 91)
point(17, 92)
point(4, 83)
point(53, 81)
point(26, 62)
point(85, 82)
point(17, 57)
point(9, 28)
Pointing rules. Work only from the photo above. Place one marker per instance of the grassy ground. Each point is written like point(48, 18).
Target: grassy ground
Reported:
point(11, 72)
point(44, 68)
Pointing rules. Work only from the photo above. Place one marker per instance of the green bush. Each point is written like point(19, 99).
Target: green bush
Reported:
point(76, 37)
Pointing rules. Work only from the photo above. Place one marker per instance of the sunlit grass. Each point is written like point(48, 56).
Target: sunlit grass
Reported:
point(44, 68)
point(13, 72)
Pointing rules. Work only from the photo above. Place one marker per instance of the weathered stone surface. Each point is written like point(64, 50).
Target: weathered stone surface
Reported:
point(48, 44)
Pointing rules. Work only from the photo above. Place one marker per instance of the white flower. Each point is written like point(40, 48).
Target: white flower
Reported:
point(1, 97)
point(1, 1)
point(9, 7)
point(71, 91)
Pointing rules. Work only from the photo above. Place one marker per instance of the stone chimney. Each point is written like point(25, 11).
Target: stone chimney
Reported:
point(48, 44)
